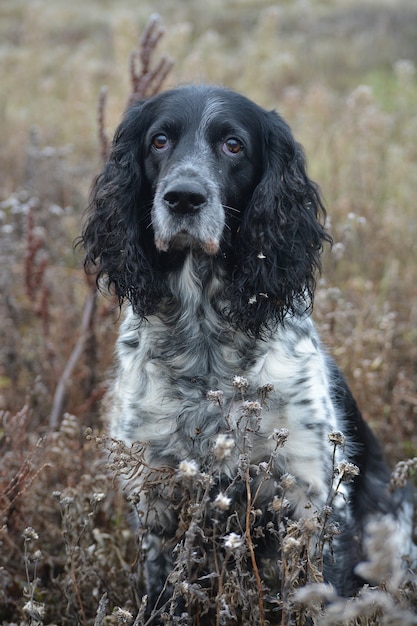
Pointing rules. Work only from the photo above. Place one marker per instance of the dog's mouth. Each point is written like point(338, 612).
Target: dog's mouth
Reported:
point(184, 240)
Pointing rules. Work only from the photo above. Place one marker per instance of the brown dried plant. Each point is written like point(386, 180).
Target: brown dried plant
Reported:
point(146, 76)
point(217, 578)
point(36, 262)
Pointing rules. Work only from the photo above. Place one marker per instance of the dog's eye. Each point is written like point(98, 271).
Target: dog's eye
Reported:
point(160, 142)
point(232, 146)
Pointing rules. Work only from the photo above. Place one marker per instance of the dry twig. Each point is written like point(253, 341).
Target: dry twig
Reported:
point(146, 78)
point(146, 81)
point(252, 550)
point(77, 351)
point(102, 135)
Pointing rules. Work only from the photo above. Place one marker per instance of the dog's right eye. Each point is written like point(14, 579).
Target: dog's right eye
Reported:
point(160, 142)
point(232, 146)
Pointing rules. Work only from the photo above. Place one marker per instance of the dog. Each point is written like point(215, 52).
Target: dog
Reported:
point(205, 222)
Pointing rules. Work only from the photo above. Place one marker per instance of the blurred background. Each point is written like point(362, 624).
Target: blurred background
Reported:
point(342, 73)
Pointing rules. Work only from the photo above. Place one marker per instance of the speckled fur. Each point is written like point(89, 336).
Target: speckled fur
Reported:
point(223, 288)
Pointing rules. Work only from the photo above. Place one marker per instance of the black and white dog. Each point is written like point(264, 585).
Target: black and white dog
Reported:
point(205, 222)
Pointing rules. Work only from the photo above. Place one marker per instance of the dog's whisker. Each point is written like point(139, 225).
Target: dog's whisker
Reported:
point(230, 208)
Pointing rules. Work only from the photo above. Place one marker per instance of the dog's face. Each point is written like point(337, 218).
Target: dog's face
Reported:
point(202, 155)
point(205, 169)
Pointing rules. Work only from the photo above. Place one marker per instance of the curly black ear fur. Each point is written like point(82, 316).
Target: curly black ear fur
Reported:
point(281, 236)
point(118, 248)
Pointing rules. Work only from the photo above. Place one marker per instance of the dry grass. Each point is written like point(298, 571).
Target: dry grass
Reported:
point(344, 77)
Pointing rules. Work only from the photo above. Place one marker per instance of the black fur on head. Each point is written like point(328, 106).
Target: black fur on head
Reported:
point(281, 235)
point(116, 240)
point(256, 190)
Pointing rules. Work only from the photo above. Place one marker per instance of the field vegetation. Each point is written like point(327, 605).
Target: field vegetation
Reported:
point(343, 74)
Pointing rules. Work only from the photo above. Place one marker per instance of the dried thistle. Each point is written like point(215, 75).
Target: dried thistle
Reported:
point(287, 482)
point(263, 392)
point(240, 383)
point(123, 616)
point(233, 541)
point(216, 397)
point(188, 469)
point(223, 446)
point(280, 436)
point(30, 534)
point(337, 439)
point(146, 81)
point(402, 472)
point(346, 471)
point(146, 77)
point(252, 407)
point(222, 502)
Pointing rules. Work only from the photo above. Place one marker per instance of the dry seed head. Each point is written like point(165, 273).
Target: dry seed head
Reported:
point(347, 471)
point(97, 497)
point(279, 504)
point(402, 472)
point(240, 383)
point(66, 501)
point(123, 616)
point(215, 396)
point(36, 556)
point(188, 468)
point(223, 446)
point(337, 438)
point(35, 610)
point(252, 407)
point(265, 390)
point(70, 426)
point(30, 534)
point(233, 541)
point(287, 481)
point(280, 435)
point(290, 546)
point(222, 502)
point(308, 525)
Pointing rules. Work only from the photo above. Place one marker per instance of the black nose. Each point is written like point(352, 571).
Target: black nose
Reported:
point(185, 197)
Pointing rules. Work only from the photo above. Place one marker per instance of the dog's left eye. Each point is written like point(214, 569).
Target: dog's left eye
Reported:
point(160, 142)
point(232, 146)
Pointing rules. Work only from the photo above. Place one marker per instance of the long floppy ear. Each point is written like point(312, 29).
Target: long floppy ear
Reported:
point(115, 238)
point(281, 236)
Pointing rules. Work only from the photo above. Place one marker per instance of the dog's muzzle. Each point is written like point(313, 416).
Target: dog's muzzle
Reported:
point(187, 211)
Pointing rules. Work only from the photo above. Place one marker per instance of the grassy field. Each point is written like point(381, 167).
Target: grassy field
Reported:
point(343, 74)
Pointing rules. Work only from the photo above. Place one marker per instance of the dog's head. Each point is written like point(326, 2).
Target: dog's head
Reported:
point(205, 169)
